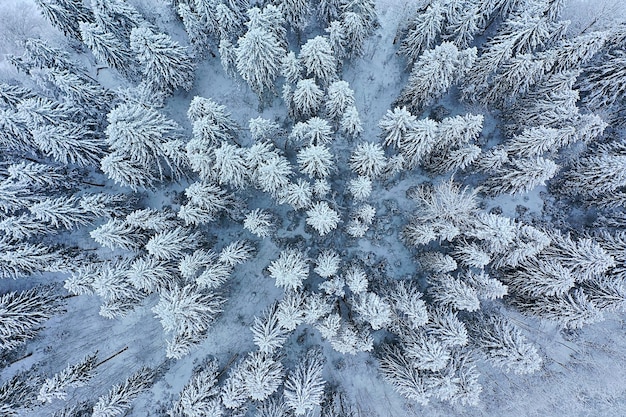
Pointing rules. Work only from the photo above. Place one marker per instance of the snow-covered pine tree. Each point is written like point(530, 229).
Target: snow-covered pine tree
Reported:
point(23, 313)
point(307, 98)
point(196, 30)
point(262, 129)
point(299, 194)
point(172, 244)
point(230, 166)
point(61, 212)
point(151, 132)
point(418, 142)
point(291, 68)
point(360, 187)
point(166, 64)
point(111, 282)
point(207, 108)
point(507, 348)
point(327, 263)
point(228, 57)
point(229, 21)
point(595, 173)
point(318, 59)
point(259, 55)
point(304, 387)
point(339, 98)
point(435, 72)
point(272, 175)
point(290, 312)
point(316, 161)
point(574, 52)
point(449, 291)
point(445, 325)
point(368, 159)
point(69, 143)
point(150, 274)
point(316, 131)
point(322, 218)
point(395, 125)
point(571, 310)
point(19, 259)
point(120, 396)
point(604, 85)
point(406, 379)
point(117, 17)
point(261, 374)
point(373, 309)
point(355, 32)
point(187, 313)
point(199, 396)
point(522, 175)
point(66, 15)
point(424, 29)
point(584, 257)
point(75, 375)
point(259, 223)
point(297, 13)
point(289, 270)
point(408, 303)
point(351, 122)
point(471, 254)
point(487, 288)
point(464, 25)
point(117, 233)
point(268, 334)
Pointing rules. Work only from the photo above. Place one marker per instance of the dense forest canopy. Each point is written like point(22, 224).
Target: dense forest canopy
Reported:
point(252, 208)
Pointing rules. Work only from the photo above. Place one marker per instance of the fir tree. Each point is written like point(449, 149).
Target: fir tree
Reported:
point(449, 291)
point(262, 375)
point(75, 375)
point(339, 98)
point(424, 30)
point(66, 15)
point(522, 176)
point(196, 31)
point(289, 270)
point(269, 335)
point(23, 313)
point(355, 31)
point(120, 397)
point(166, 64)
point(315, 161)
point(373, 309)
point(322, 218)
point(327, 264)
point(117, 17)
point(107, 49)
point(171, 244)
point(259, 56)
point(351, 122)
point(259, 222)
point(317, 57)
point(307, 98)
point(435, 71)
point(368, 159)
point(298, 195)
point(304, 386)
point(396, 124)
point(507, 348)
point(296, 13)
point(403, 376)
point(199, 396)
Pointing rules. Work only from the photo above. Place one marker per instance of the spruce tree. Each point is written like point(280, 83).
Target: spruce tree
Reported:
point(166, 64)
